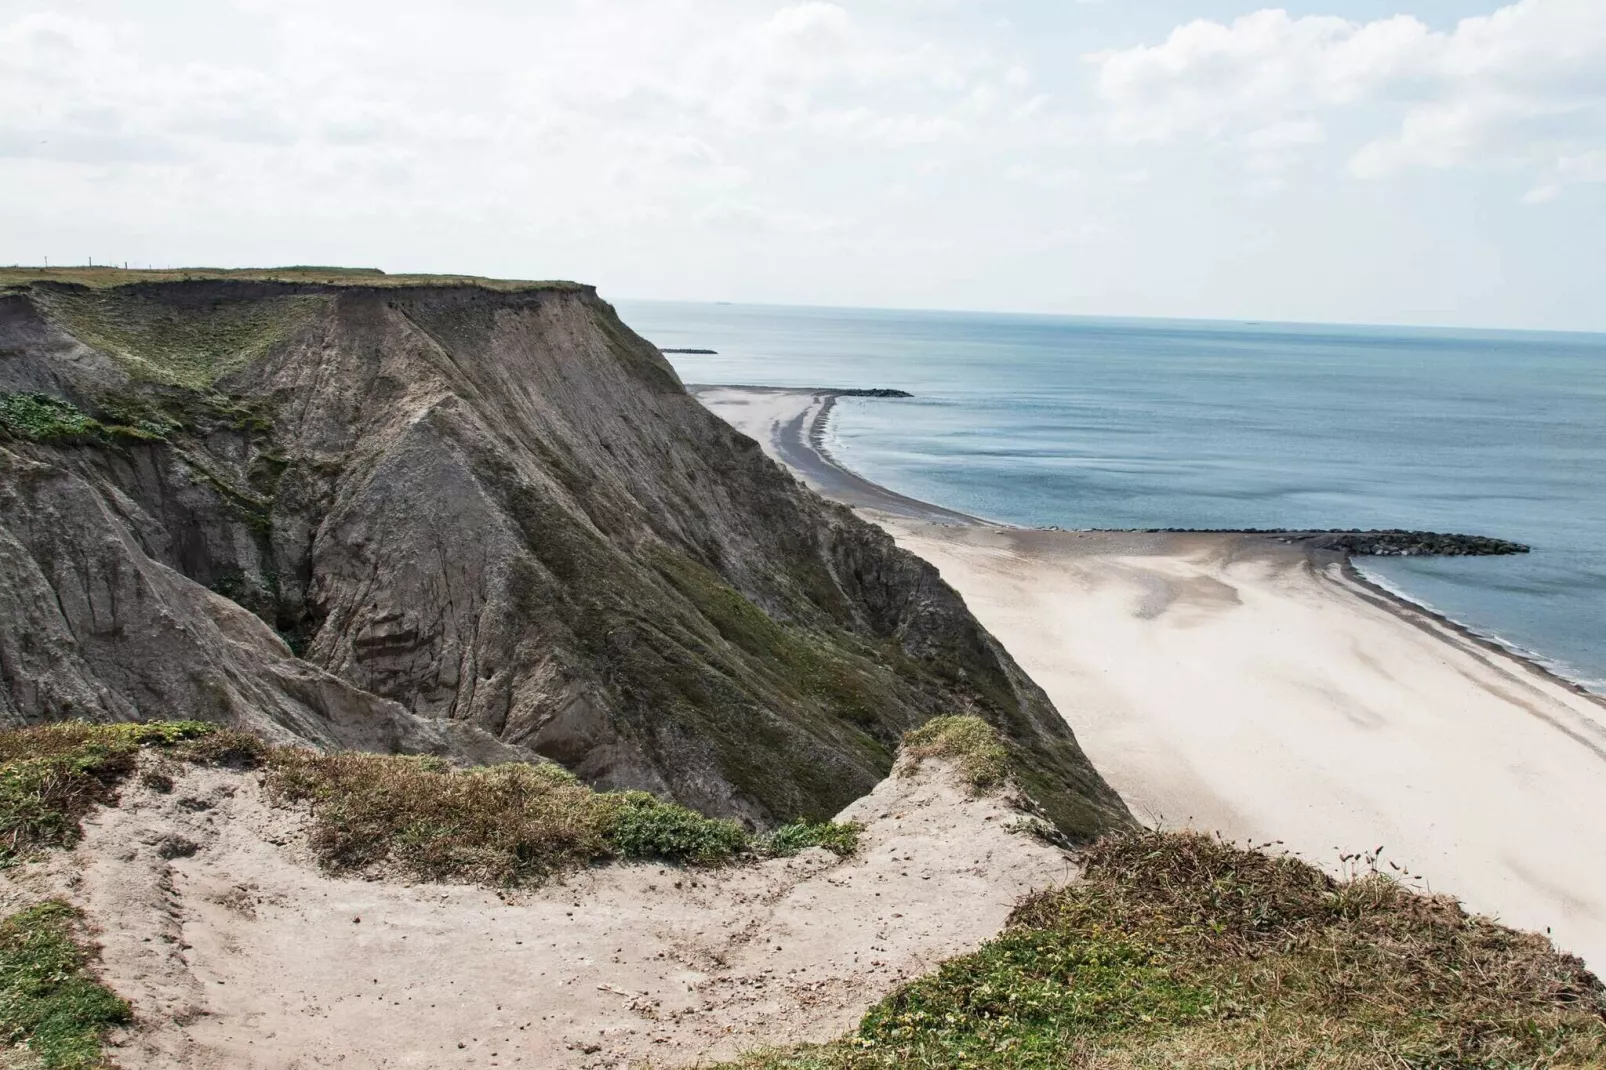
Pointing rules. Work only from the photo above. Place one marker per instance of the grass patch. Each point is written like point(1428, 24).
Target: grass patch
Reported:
point(964, 739)
point(166, 339)
point(502, 824)
point(417, 815)
point(50, 775)
point(840, 838)
point(50, 1005)
point(1181, 950)
point(43, 418)
point(106, 277)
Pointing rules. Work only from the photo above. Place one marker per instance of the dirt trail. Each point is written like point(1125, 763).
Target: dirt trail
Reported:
point(236, 952)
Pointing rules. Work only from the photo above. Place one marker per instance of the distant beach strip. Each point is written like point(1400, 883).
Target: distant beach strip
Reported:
point(790, 423)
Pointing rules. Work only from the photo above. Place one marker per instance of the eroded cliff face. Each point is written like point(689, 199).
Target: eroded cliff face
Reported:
point(487, 523)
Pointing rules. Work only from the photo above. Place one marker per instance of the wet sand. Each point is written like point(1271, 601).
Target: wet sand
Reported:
point(1237, 683)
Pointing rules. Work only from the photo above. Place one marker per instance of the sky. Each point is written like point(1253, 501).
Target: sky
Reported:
point(1375, 161)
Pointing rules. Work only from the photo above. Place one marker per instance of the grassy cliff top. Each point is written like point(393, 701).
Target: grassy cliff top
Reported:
point(107, 277)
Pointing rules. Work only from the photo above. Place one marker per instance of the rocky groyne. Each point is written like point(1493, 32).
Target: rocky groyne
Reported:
point(1389, 542)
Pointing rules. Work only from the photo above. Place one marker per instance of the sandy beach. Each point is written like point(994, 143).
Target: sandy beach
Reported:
point(1239, 684)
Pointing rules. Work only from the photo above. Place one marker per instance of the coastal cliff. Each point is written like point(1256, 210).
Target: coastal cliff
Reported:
point(468, 518)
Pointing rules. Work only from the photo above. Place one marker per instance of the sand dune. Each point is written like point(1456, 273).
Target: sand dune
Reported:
point(1233, 683)
point(238, 953)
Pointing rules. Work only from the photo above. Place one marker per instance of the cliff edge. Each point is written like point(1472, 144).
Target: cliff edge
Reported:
point(466, 518)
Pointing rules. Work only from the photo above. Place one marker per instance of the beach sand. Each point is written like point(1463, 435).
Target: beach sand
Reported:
point(1238, 684)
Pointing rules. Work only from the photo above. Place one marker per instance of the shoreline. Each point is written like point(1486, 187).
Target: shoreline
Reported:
point(1528, 659)
point(1269, 690)
point(811, 459)
point(797, 420)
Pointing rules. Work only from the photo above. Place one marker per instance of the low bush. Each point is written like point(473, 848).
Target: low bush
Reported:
point(50, 775)
point(43, 418)
point(640, 825)
point(1177, 949)
point(840, 838)
point(501, 824)
point(964, 739)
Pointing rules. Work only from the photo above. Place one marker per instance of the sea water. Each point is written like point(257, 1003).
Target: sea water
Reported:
point(1121, 423)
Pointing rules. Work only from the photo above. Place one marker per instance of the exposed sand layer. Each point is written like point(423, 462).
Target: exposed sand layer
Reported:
point(1237, 684)
point(236, 952)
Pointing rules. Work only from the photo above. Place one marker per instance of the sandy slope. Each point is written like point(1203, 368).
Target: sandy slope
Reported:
point(237, 953)
point(1224, 681)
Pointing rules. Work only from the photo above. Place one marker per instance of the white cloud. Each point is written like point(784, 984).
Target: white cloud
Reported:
point(921, 152)
point(1514, 87)
point(394, 107)
point(1584, 168)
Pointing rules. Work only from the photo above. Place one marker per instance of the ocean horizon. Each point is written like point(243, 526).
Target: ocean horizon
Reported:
point(1105, 422)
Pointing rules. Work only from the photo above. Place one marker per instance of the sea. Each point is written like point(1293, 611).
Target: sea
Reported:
point(1085, 422)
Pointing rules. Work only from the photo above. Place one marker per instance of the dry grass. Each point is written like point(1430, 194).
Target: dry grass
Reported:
point(1181, 950)
point(964, 739)
point(103, 277)
point(51, 775)
point(412, 816)
point(502, 824)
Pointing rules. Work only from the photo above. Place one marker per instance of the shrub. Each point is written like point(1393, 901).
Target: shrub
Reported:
point(841, 839)
point(502, 824)
point(1176, 949)
point(416, 815)
point(50, 775)
point(42, 418)
point(642, 826)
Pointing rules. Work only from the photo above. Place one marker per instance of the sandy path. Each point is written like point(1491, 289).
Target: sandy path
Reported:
point(237, 953)
point(1223, 681)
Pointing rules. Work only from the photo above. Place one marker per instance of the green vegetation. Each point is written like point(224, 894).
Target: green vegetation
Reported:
point(50, 1005)
point(840, 838)
point(640, 825)
point(175, 340)
point(42, 418)
point(50, 775)
point(830, 671)
point(501, 824)
point(105, 277)
point(1177, 949)
point(966, 740)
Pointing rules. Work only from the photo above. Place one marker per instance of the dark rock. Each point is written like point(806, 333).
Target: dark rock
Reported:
point(1391, 542)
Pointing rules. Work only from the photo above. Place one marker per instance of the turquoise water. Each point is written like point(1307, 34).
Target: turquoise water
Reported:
point(1091, 423)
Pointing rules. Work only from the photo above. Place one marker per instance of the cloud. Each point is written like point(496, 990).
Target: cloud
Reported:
point(692, 120)
point(1520, 86)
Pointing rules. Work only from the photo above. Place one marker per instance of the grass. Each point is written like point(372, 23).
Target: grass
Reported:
point(50, 1005)
point(840, 838)
point(179, 340)
point(104, 277)
point(965, 739)
point(42, 418)
point(503, 824)
point(51, 775)
point(415, 815)
point(1177, 949)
